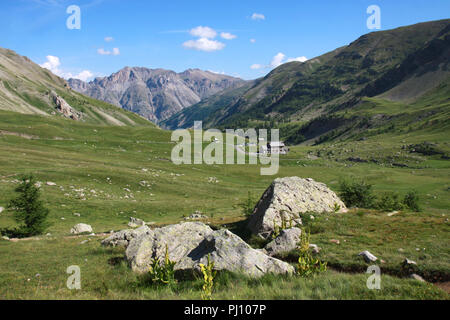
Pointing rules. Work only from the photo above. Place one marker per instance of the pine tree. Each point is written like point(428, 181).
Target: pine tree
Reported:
point(28, 210)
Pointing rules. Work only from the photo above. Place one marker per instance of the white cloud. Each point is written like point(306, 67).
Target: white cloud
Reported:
point(258, 16)
point(256, 66)
point(203, 32)
point(252, 40)
point(228, 36)
point(53, 63)
point(109, 39)
point(299, 59)
point(277, 60)
point(103, 52)
point(84, 75)
point(204, 44)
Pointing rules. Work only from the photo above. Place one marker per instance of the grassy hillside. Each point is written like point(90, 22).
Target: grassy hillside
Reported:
point(27, 88)
point(109, 174)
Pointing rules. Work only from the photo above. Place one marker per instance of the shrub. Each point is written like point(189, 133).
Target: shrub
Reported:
point(208, 279)
point(307, 264)
point(28, 210)
point(357, 194)
point(411, 201)
point(163, 273)
point(389, 202)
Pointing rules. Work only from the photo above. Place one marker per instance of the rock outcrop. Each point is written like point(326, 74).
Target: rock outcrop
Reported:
point(63, 107)
point(135, 222)
point(286, 199)
point(190, 243)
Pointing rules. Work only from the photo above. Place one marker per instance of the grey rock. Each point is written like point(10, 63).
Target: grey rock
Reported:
point(135, 222)
point(180, 239)
point(408, 262)
point(417, 277)
point(286, 198)
point(368, 257)
point(190, 243)
point(285, 242)
point(315, 248)
point(2, 209)
point(197, 215)
point(123, 238)
point(81, 228)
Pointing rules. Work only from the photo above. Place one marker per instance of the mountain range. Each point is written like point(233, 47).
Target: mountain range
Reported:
point(334, 94)
point(156, 94)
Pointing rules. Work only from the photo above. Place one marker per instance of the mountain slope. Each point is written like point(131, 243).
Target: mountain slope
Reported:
point(27, 88)
point(156, 94)
point(308, 100)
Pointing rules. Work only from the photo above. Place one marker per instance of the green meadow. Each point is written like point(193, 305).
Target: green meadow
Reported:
point(108, 174)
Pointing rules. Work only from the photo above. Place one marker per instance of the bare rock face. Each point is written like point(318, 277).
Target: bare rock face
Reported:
point(64, 108)
point(190, 243)
point(155, 94)
point(123, 238)
point(285, 242)
point(286, 198)
point(135, 222)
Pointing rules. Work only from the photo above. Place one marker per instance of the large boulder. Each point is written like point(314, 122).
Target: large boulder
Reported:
point(81, 228)
point(180, 239)
point(123, 238)
point(285, 242)
point(286, 199)
point(189, 245)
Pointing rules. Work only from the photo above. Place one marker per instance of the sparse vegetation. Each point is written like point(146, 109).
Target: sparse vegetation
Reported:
point(162, 272)
point(208, 278)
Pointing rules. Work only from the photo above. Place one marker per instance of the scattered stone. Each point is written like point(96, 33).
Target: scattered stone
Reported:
point(368, 257)
point(408, 262)
point(37, 275)
point(417, 277)
point(285, 242)
point(84, 241)
point(390, 214)
point(123, 238)
point(5, 238)
point(190, 243)
point(197, 215)
point(48, 234)
point(81, 228)
point(286, 198)
point(2, 209)
point(335, 241)
point(135, 222)
point(51, 184)
point(315, 248)
point(77, 214)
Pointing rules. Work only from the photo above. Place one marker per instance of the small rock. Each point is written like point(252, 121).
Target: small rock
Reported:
point(1, 209)
point(81, 228)
point(315, 248)
point(417, 277)
point(368, 257)
point(335, 241)
point(390, 214)
point(37, 275)
point(84, 241)
point(135, 222)
point(48, 234)
point(5, 238)
point(408, 262)
point(51, 184)
point(285, 242)
point(77, 214)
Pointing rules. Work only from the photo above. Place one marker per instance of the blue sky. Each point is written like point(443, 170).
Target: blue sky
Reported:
point(243, 38)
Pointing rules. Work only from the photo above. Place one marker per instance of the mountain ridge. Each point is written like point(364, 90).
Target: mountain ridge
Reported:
point(155, 94)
